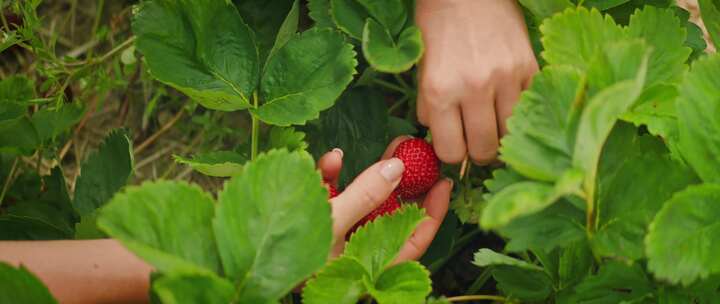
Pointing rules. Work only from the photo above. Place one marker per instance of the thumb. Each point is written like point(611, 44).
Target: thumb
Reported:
point(370, 189)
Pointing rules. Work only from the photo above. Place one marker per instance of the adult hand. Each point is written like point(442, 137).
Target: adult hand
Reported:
point(478, 58)
point(370, 189)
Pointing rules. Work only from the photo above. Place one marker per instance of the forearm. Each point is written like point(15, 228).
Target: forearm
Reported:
point(88, 271)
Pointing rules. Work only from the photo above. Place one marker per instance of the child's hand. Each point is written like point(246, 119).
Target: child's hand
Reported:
point(478, 59)
point(370, 189)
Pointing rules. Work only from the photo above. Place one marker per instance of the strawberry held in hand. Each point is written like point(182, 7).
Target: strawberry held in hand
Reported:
point(388, 207)
point(422, 168)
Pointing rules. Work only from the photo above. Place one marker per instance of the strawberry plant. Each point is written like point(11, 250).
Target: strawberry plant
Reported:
point(607, 192)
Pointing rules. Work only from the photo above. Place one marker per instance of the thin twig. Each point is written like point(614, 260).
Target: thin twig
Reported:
point(8, 181)
point(162, 131)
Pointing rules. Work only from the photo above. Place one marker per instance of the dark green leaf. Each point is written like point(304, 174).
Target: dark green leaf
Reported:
point(385, 53)
point(21, 286)
point(104, 173)
point(544, 9)
point(684, 237)
point(320, 13)
point(305, 77)
point(604, 4)
point(50, 123)
point(168, 224)
point(557, 225)
point(15, 92)
point(272, 21)
point(185, 49)
point(217, 163)
point(18, 136)
point(522, 283)
point(614, 283)
point(358, 125)
point(340, 282)
point(391, 14)
point(266, 220)
point(486, 257)
point(349, 16)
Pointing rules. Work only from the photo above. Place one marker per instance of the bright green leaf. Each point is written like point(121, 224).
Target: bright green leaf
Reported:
point(288, 138)
point(216, 163)
point(21, 286)
point(305, 77)
point(95, 187)
point(630, 165)
point(176, 288)
point(486, 257)
point(377, 244)
point(684, 238)
point(699, 122)
point(546, 8)
point(405, 283)
point(385, 53)
point(185, 49)
point(557, 225)
point(340, 282)
point(266, 220)
point(573, 36)
point(168, 224)
point(655, 109)
point(710, 11)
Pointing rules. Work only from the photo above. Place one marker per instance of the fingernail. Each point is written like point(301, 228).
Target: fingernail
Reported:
point(339, 151)
point(451, 181)
point(392, 169)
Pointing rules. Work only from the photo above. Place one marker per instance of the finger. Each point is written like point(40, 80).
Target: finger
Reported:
point(506, 99)
point(481, 127)
point(393, 145)
point(447, 131)
point(436, 206)
point(365, 193)
point(330, 166)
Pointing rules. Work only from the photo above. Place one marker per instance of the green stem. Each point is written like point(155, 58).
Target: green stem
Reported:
point(480, 281)
point(8, 181)
point(398, 103)
point(96, 24)
point(477, 298)
point(255, 129)
point(392, 86)
point(4, 21)
point(402, 82)
point(459, 245)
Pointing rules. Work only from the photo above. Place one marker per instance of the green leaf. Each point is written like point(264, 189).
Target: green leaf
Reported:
point(622, 13)
point(398, 126)
point(557, 225)
point(614, 283)
point(217, 163)
point(655, 109)
point(597, 121)
point(340, 281)
point(525, 198)
point(710, 11)
point(407, 282)
point(486, 257)
point(390, 14)
point(661, 30)
point(95, 187)
point(684, 237)
point(357, 124)
point(469, 205)
point(272, 21)
point(604, 4)
point(544, 9)
point(630, 165)
point(167, 224)
point(266, 219)
point(87, 228)
point(288, 138)
point(349, 16)
point(305, 77)
point(616, 62)
point(21, 286)
point(15, 91)
point(18, 136)
point(695, 36)
point(320, 13)
point(184, 49)
point(440, 300)
point(575, 262)
point(537, 144)
point(386, 54)
point(190, 288)
point(376, 244)
point(573, 36)
point(50, 123)
point(699, 124)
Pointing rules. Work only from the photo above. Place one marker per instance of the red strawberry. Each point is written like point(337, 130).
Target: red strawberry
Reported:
point(388, 207)
point(422, 168)
point(332, 190)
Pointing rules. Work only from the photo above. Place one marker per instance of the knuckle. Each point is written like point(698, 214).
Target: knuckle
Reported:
point(371, 197)
point(435, 89)
point(485, 155)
